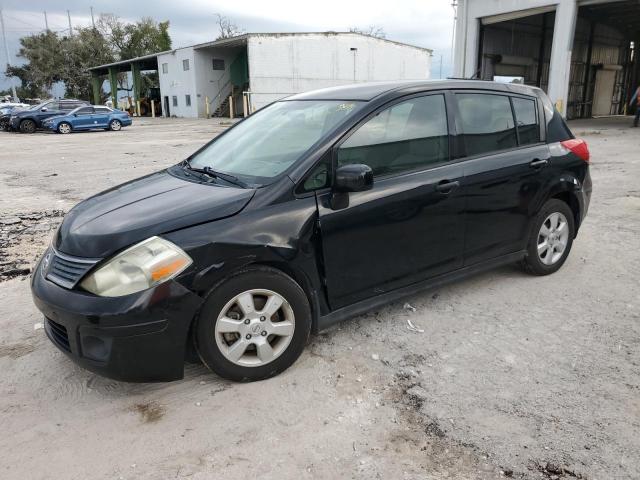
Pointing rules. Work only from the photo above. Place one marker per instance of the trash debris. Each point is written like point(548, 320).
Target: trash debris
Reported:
point(408, 306)
point(375, 356)
point(38, 326)
point(413, 328)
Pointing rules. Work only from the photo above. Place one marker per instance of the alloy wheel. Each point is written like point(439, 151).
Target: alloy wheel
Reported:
point(115, 125)
point(553, 238)
point(254, 328)
point(64, 128)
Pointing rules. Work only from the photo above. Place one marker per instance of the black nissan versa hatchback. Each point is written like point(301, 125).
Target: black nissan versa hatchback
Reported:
point(313, 209)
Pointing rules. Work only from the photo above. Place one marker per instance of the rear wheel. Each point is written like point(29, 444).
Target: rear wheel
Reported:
point(115, 125)
point(254, 325)
point(64, 127)
point(27, 126)
point(550, 239)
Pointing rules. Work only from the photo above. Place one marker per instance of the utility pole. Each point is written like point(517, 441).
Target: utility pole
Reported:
point(6, 50)
point(46, 22)
point(70, 29)
point(93, 22)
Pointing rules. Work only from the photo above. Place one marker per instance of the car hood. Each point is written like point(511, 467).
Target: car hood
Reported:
point(134, 211)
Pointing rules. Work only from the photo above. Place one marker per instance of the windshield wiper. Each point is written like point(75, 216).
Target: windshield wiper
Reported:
point(214, 174)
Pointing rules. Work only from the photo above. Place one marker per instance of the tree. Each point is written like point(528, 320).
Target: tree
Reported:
point(227, 28)
point(130, 40)
point(53, 58)
point(372, 31)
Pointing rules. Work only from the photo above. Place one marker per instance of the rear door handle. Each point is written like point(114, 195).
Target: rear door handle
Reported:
point(539, 162)
point(446, 186)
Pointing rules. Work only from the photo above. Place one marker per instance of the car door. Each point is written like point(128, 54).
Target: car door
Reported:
point(83, 118)
point(101, 117)
point(410, 225)
point(50, 109)
point(504, 171)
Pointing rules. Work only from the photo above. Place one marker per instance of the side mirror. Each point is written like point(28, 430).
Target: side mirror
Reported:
point(353, 178)
point(75, 114)
point(44, 109)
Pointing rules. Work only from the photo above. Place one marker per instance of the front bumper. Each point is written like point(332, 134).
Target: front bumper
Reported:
point(137, 338)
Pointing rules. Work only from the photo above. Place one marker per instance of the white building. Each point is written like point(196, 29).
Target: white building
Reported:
point(249, 71)
point(258, 68)
point(584, 53)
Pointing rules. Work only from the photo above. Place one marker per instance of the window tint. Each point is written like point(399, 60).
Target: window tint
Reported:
point(165, 68)
point(175, 101)
point(68, 106)
point(486, 122)
point(407, 136)
point(102, 110)
point(53, 106)
point(185, 64)
point(526, 120)
point(187, 100)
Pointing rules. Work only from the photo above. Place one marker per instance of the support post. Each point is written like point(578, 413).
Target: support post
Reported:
point(206, 107)
point(245, 105)
point(137, 86)
point(95, 88)
point(561, 49)
point(230, 106)
point(153, 109)
point(113, 82)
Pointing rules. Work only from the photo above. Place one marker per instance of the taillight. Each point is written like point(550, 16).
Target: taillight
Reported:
point(578, 147)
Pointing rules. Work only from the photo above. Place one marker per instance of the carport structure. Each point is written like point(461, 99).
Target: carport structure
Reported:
point(583, 53)
point(111, 70)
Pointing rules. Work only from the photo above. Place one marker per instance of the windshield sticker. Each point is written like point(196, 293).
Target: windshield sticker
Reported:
point(346, 106)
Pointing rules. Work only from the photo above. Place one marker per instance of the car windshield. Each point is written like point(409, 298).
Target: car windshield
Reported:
point(274, 138)
point(40, 105)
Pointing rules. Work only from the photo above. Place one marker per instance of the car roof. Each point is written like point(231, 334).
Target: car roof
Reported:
point(370, 90)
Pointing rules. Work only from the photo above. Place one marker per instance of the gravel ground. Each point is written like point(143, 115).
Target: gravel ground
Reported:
point(506, 375)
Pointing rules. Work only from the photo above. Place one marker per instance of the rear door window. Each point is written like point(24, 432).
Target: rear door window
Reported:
point(485, 123)
point(85, 111)
point(409, 135)
point(526, 120)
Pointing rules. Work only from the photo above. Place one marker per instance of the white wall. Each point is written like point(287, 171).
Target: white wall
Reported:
point(178, 82)
point(281, 65)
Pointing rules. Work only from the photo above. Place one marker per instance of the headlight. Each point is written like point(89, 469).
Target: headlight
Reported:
point(142, 266)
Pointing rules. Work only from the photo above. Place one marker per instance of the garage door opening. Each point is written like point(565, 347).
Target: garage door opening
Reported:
point(604, 67)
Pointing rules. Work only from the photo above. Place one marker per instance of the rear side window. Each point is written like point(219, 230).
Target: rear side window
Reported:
point(406, 136)
point(85, 111)
point(53, 106)
point(526, 120)
point(557, 130)
point(485, 122)
point(102, 110)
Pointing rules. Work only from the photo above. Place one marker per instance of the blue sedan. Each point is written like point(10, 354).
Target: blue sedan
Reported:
point(87, 118)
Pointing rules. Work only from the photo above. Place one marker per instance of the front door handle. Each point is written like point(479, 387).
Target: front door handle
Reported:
point(539, 162)
point(446, 186)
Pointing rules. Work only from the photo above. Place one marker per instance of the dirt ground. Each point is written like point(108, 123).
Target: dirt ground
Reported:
point(506, 375)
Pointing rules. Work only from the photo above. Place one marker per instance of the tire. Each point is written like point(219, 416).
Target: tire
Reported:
point(548, 248)
point(27, 126)
point(222, 323)
point(64, 128)
point(115, 125)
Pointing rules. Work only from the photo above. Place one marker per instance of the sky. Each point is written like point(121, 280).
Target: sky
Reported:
point(425, 23)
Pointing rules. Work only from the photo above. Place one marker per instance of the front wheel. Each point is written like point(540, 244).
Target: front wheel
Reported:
point(64, 128)
point(115, 125)
point(550, 239)
point(27, 126)
point(254, 325)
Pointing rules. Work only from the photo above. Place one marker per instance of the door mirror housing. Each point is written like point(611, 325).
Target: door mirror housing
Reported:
point(44, 109)
point(353, 178)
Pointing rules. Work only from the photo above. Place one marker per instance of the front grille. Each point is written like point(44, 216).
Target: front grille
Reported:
point(58, 334)
point(67, 271)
